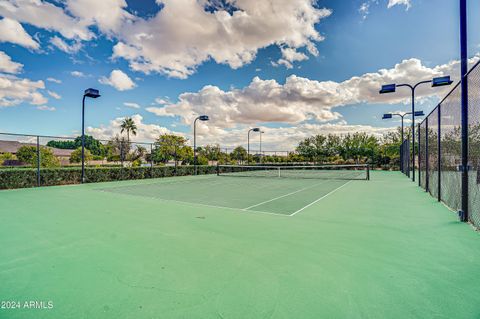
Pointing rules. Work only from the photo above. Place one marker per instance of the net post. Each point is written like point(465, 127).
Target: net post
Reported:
point(368, 172)
point(279, 175)
point(218, 169)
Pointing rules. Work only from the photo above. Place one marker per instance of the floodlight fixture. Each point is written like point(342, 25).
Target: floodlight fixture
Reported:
point(441, 81)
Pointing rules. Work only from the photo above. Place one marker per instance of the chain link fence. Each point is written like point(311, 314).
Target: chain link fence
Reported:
point(440, 149)
point(39, 160)
point(474, 145)
point(405, 157)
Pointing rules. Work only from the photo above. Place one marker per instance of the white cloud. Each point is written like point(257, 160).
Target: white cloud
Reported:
point(46, 15)
point(364, 9)
point(300, 100)
point(54, 95)
point(108, 15)
point(280, 138)
point(50, 79)
point(406, 3)
point(118, 80)
point(145, 132)
point(13, 32)
point(183, 35)
point(65, 47)
point(289, 56)
point(132, 105)
point(14, 91)
point(161, 101)
point(9, 66)
point(77, 74)
point(46, 108)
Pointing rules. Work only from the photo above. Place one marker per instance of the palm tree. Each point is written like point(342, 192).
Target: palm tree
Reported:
point(129, 126)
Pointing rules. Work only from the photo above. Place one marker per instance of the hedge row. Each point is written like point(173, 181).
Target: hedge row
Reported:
point(21, 178)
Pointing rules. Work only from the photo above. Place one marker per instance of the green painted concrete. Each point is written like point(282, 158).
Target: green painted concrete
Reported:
point(377, 249)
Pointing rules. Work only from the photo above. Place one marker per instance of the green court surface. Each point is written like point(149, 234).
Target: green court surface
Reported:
point(230, 247)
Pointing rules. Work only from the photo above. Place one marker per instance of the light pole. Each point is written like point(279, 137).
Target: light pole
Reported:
point(390, 115)
point(255, 129)
point(201, 118)
point(390, 88)
point(91, 93)
point(261, 154)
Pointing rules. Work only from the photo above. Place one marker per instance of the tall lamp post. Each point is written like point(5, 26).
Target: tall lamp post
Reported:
point(201, 118)
point(255, 129)
point(91, 93)
point(436, 82)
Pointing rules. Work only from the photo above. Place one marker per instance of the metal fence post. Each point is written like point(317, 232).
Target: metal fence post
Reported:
point(439, 148)
point(401, 157)
point(464, 214)
point(419, 155)
point(427, 158)
point(38, 161)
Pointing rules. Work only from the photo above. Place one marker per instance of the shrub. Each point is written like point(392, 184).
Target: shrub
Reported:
point(27, 177)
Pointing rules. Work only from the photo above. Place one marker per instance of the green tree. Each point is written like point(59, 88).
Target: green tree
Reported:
point(28, 154)
point(76, 156)
point(239, 154)
point(316, 148)
point(5, 157)
point(129, 126)
point(117, 149)
point(211, 152)
point(95, 146)
point(92, 144)
point(172, 147)
point(64, 145)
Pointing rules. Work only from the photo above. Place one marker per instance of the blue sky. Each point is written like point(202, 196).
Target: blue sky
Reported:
point(243, 62)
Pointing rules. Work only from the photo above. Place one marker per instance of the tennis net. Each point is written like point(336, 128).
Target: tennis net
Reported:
point(340, 172)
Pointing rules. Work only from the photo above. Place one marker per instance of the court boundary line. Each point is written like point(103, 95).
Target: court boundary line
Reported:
point(285, 195)
point(238, 210)
point(319, 199)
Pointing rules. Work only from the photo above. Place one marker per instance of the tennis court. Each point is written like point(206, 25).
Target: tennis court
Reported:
point(238, 247)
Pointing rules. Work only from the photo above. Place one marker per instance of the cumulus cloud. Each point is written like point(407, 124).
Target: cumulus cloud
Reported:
point(119, 80)
point(183, 34)
point(289, 56)
point(77, 74)
point(275, 139)
point(13, 32)
point(300, 100)
point(57, 81)
point(9, 66)
point(64, 46)
point(14, 90)
point(108, 15)
point(284, 138)
point(132, 105)
point(46, 15)
point(145, 132)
